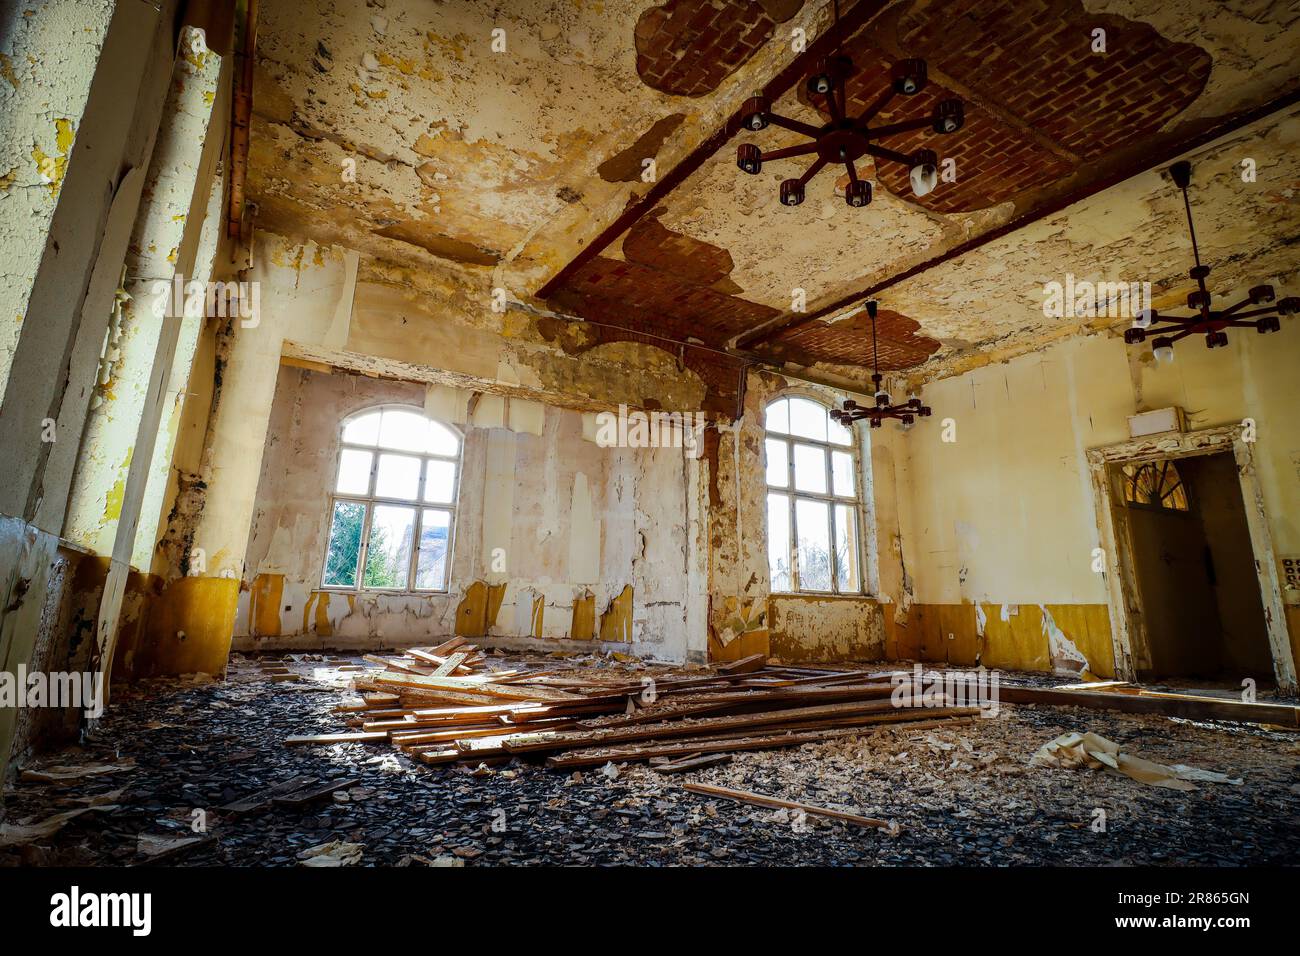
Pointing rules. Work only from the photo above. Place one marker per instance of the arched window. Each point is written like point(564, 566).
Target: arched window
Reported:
point(394, 504)
point(813, 542)
point(1155, 484)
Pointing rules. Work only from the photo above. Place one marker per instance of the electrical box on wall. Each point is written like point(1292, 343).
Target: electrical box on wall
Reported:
point(1289, 570)
point(1169, 419)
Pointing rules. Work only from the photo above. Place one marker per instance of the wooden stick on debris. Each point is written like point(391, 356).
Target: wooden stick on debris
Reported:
point(744, 796)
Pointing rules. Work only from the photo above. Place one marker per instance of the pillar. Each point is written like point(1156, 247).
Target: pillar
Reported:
point(118, 442)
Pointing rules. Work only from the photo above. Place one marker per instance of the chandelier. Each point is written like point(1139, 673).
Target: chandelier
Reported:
point(846, 139)
point(1211, 322)
point(906, 412)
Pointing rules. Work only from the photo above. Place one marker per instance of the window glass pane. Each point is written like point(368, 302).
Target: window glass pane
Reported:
point(398, 477)
point(810, 469)
point(442, 440)
point(807, 419)
point(839, 434)
point(842, 472)
point(388, 557)
point(778, 417)
point(354, 472)
point(778, 541)
point(344, 544)
point(846, 548)
point(439, 481)
point(403, 429)
point(812, 519)
point(778, 463)
point(363, 430)
point(431, 565)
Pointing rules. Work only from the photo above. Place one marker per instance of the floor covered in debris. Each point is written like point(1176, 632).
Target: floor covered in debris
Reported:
point(147, 784)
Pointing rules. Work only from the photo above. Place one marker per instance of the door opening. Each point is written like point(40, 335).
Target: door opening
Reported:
point(1194, 567)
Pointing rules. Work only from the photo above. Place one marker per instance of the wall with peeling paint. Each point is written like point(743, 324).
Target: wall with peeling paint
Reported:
point(593, 538)
point(82, 90)
point(1001, 525)
point(745, 618)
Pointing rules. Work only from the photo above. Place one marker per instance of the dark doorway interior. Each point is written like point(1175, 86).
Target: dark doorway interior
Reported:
point(1195, 570)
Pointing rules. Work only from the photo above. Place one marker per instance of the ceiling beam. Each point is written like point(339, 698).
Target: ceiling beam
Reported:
point(1141, 162)
point(857, 17)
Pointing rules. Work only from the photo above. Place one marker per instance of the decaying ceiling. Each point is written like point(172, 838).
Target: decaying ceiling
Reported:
point(394, 127)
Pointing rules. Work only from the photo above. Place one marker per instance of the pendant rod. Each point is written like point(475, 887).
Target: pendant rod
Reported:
point(1191, 228)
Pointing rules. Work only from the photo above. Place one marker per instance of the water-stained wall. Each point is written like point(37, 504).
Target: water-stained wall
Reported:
point(557, 539)
point(745, 617)
point(1001, 525)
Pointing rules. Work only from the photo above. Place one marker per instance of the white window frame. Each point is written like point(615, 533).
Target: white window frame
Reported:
point(853, 449)
point(370, 500)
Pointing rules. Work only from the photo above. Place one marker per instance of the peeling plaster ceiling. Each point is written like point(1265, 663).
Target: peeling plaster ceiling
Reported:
point(1134, 232)
point(392, 126)
point(500, 167)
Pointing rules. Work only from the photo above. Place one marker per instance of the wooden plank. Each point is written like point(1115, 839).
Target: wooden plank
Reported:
point(473, 686)
point(396, 665)
point(1168, 705)
point(746, 665)
point(597, 757)
point(308, 795)
point(461, 733)
point(758, 799)
point(450, 664)
point(352, 737)
point(263, 797)
point(693, 762)
point(704, 727)
point(738, 701)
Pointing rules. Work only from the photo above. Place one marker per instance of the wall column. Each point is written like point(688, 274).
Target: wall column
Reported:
point(118, 442)
point(298, 290)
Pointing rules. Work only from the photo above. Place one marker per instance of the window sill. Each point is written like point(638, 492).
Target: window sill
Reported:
point(334, 589)
point(827, 595)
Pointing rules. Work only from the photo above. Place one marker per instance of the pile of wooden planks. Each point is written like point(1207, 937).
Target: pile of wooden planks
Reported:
point(442, 705)
point(445, 704)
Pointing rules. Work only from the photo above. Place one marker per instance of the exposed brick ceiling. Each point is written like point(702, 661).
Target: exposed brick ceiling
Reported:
point(688, 48)
point(1046, 115)
point(847, 341)
point(491, 168)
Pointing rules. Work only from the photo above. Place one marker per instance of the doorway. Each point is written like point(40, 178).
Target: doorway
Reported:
point(1191, 582)
point(1195, 571)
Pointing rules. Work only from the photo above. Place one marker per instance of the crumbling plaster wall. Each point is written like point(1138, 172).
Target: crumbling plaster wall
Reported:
point(744, 616)
point(1002, 522)
point(47, 63)
point(578, 525)
point(82, 86)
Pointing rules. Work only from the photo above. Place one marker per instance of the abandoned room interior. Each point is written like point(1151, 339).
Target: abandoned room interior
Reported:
point(686, 433)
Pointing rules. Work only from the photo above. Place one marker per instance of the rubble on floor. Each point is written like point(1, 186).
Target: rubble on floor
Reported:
point(432, 704)
point(202, 759)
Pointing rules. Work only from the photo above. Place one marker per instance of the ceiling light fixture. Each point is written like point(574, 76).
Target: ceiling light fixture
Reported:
point(1206, 320)
point(907, 412)
point(846, 139)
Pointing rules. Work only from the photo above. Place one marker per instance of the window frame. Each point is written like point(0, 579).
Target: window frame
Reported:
point(1129, 483)
point(370, 500)
point(854, 501)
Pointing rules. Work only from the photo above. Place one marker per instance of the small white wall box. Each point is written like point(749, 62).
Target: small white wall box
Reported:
point(1169, 419)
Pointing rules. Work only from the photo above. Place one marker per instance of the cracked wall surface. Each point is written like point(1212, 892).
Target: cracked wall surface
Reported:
point(47, 63)
point(1001, 524)
point(578, 526)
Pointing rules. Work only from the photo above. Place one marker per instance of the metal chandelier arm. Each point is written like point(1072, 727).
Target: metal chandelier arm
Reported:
point(870, 113)
point(794, 125)
point(785, 152)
